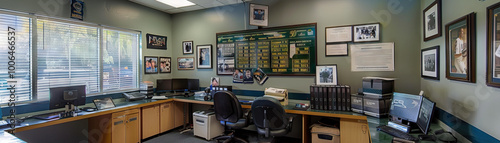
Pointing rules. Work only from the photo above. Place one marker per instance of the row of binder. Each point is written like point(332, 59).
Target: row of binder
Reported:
point(331, 97)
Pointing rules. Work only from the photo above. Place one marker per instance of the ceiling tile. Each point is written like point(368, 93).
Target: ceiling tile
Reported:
point(228, 2)
point(191, 8)
point(207, 3)
point(153, 4)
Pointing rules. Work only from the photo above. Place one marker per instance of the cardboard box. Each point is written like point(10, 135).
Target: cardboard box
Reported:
point(280, 94)
point(323, 134)
point(377, 85)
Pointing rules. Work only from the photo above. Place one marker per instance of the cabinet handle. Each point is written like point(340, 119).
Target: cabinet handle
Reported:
point(132, 119)
point(119, 122)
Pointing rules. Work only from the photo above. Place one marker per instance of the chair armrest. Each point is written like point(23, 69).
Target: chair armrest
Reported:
point(247, 115)
point(290, 123)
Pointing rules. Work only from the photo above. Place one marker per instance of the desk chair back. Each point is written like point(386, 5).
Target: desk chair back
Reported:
point(269, 114)
point(227, 107)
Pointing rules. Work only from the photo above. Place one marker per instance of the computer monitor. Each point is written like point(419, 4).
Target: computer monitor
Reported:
point(61, 96)
point(425, 115)
point(183, 84)
point(193, 84)
point(405, 106)
point(163, 84)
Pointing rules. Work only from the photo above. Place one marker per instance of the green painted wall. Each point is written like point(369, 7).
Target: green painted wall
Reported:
point(398, 25)
point(115, 13)
point(475, 103)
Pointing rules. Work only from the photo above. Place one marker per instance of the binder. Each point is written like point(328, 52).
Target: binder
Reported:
point(342, 108)
point(312, 93)
point(325, 98)
point(339, 97)
point(348, 98)
point(320, 98)
point(316, 100)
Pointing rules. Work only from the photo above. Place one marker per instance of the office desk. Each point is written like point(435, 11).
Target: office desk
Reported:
point(353, 125)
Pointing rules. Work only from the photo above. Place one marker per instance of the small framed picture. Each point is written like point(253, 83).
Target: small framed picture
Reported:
point(215, 81)
point(165, 63)
point(156, 41)
point(187, 47)
point(204, 56)
point(366, 32)
point(493, 44)
point(337, 34)
point(461, 49)
point(326, 75)
point(259, 15)
point(185, 63)
point(150, 65)
point(429, 63)
point(432, 21)
point(336, 49)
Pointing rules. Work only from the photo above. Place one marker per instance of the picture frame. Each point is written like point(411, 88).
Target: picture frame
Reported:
point(214, 81)
point(493, 46)
point(336, 34)
point(461, 49)
point(187, 47)
point(259, 15)
point(156, 42)
point(432, 21)
point(225, 59)
point(326, 74)
point(366, 32)
point(336, 49)
point(429, 63)
point(204, 56)
point(150, 65)
point(185, 63)
point(165, 65)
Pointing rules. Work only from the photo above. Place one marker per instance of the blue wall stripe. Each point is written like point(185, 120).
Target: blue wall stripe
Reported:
point(470, 132)
point(257, 93)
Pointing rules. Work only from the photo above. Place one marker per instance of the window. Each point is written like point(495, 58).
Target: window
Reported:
point(67, 55)
point(19, 38)
point(120, 68)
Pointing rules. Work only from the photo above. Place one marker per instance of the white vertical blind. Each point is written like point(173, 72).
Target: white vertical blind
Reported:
point(120, 68)
point(67, 55)
point(21, 26)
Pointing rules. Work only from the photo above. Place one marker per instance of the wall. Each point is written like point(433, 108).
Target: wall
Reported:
point(474, 103)
point(115, 13)
point(201, 27)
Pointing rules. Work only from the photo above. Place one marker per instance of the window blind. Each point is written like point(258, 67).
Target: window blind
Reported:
point(19, 39)
point(67, 55)
point(120, 68)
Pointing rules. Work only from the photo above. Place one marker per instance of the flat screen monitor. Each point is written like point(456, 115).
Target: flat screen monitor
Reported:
point(425, 115)
point(183, 84)
point(405, 106)
point(163, 84)
point(193, 84)
point(61, 96)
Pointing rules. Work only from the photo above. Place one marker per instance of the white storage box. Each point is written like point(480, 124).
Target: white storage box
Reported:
point(206, 125)
point(323, 134)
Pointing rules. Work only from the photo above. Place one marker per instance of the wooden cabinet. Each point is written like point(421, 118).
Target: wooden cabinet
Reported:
point(150, 121)
point(132, 124)
point(179, 114)
point(167, 116)
point(118, 127)
point(354, 131)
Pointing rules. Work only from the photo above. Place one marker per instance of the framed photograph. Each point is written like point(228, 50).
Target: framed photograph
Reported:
point(429, 63)
point(338, 34)
point(493, 44)
point(185, 63)
point(225, 59)
point(432, 21)
point(366, 32)
point(326, 75)
point(150, 65)
point(156, 41)
point(165, 64)
point(204, 56)
point(461, 49)
point(259, 15)
point(187, 47)
point(336, 49)
point(215, 81)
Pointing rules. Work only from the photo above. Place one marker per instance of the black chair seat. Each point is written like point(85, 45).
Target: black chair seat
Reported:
point(279, 132)
point(238, 125)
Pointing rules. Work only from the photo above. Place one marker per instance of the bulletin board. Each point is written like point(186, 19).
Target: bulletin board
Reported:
point(286, 50)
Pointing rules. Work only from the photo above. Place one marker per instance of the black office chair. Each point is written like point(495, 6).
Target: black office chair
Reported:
point(228, 111)
point(270, 118)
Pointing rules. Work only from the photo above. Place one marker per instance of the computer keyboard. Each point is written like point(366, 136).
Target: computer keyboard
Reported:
point(47, 116)
point(396, 133)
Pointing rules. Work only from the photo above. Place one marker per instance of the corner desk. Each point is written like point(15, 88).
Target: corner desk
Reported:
point(141, 119)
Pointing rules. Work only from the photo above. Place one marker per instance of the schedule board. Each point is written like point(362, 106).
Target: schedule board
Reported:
point(286, 50)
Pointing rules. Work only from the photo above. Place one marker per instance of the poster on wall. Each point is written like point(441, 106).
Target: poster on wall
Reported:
point(429, 63)
point(460, 49)
point(367, 32)
point(156, 41)
point(165, 63)
point(77, 9)
point(372, 57)
point(150, 65)
point(493, 51)
point(338, 34)
point(259, 15)
point(432, 21)
point(204, 56)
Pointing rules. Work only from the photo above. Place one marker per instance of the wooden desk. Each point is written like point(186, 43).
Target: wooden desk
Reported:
point(354, 127)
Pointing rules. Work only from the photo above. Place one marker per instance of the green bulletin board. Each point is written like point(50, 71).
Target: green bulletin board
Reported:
point(286, 50)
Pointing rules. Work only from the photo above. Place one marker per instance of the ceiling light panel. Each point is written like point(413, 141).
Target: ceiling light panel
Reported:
point(177, 3)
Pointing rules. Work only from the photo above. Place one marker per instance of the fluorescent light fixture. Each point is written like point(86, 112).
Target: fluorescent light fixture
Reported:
point(177, 3)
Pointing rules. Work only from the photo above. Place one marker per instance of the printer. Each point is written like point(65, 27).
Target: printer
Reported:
point(206, 125)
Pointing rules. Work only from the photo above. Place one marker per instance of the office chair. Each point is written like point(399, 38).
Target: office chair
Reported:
point(228, 111)
point(270, 118)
